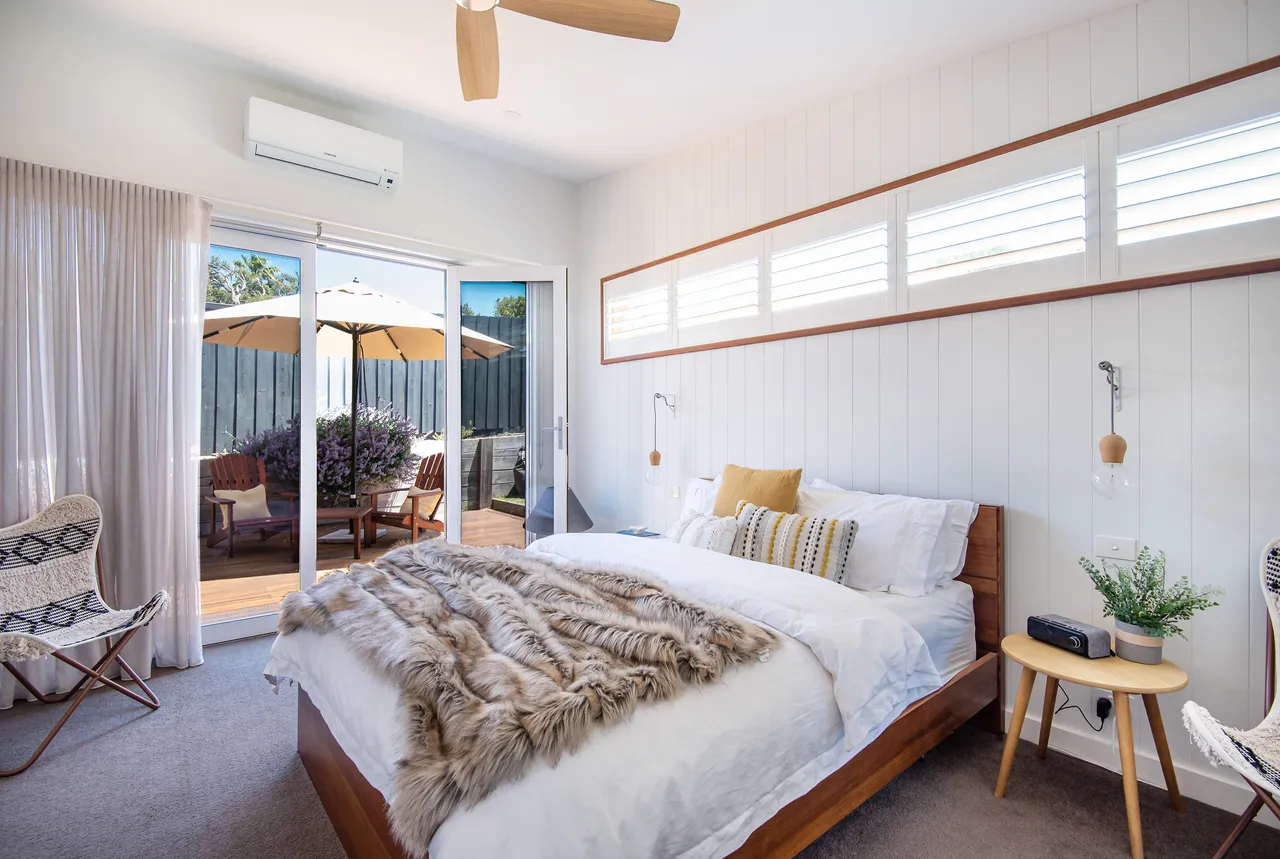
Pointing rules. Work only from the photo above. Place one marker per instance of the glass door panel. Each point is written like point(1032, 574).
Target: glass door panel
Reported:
point(509, 362)
point(381, 347)
point(254, 446)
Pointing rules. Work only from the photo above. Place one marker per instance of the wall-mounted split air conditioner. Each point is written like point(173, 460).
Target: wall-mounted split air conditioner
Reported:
point(278, 133)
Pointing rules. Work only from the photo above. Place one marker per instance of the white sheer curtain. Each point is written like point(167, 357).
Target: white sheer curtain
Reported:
point(102, 288)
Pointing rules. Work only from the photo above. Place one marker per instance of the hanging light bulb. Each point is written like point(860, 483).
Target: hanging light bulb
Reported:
point(653, 475)
point(1112, 478)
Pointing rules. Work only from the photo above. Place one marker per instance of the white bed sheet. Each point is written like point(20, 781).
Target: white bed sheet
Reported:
point(944, 618)
point(689, 789)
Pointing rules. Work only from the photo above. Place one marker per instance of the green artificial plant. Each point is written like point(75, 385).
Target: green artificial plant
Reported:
point(1138, 594)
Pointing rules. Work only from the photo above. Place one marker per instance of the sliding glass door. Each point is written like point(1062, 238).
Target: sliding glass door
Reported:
point(507, 434)
point(352, 401)
point(257, 440)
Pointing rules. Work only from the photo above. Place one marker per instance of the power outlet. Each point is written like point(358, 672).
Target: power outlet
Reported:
point(1102, 707)
point(675, 492)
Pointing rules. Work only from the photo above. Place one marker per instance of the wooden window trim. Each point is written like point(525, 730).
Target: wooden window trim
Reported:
point(1215, 273)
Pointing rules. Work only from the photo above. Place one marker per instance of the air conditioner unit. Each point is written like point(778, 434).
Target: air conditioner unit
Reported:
point(278, 133)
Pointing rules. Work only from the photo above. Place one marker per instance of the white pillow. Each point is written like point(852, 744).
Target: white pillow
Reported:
point(249, 503)
point(705, 532)
point(946, 556)
point(699, 497)
point(954, 543)
point(897, 536)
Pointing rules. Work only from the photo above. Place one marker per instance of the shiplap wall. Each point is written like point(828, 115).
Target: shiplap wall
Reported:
point(1003, 407)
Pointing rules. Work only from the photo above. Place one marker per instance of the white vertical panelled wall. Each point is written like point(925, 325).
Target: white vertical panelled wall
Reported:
point(1003, 407)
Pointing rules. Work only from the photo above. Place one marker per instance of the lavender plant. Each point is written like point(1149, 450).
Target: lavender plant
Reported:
point(384, 452)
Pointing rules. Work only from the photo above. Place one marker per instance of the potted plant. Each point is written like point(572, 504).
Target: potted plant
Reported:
point(1147, 609)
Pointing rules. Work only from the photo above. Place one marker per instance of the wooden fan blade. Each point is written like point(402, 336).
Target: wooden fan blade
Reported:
point(634, 19)
point(478, 54)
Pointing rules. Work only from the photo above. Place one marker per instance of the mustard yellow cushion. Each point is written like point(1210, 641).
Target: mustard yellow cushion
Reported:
point(250, 503)
point(775, 489)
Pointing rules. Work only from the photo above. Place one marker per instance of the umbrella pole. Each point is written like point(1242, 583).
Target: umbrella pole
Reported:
point(355, 405)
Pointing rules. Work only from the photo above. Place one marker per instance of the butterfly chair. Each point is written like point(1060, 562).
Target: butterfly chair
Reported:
point(1255, 754)
point(50, 601)
point(419, 510)
point(240, 473)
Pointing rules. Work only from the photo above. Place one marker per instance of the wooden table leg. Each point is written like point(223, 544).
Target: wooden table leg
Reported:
point(1129, 771)
point(357, 535)
point(1046, 717)
point(1025, 685)
point(1162, 748)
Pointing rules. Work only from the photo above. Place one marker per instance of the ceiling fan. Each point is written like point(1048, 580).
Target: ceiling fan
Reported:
point(650, 20)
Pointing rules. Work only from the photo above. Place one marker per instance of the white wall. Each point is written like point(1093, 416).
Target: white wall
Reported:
point(79, 93)
point(1003, 407)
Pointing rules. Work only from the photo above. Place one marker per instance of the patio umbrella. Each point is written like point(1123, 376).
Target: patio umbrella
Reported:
point(350, 319)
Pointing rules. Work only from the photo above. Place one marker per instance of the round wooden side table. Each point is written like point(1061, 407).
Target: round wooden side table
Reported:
point(1121, 677)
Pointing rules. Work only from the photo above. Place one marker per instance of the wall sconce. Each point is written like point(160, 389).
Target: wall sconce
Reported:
point(1112, 477)
point(653, 474)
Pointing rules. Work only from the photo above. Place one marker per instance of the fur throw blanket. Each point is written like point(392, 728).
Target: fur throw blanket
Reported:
point(505, 657)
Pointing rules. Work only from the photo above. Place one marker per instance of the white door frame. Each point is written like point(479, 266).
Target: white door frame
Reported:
point(558, 276)
point(304, 251)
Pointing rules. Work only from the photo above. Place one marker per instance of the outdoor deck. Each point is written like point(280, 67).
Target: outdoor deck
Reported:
point(262, 573)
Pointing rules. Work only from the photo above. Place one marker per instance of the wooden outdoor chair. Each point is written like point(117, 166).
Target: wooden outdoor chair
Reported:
point(419, 510)
point(240, 472)
point(51, 601)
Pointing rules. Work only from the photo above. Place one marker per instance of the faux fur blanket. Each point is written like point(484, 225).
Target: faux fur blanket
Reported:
point(504, 658)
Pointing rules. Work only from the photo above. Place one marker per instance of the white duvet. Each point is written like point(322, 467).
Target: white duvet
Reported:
point(691, 777)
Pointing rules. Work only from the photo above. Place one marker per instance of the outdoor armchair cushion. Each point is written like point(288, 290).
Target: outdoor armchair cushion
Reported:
point(249, 503)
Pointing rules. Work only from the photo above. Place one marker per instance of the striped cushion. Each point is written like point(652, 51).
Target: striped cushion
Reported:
point(809, 544)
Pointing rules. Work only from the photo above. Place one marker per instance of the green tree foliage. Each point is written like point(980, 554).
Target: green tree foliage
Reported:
point(511, 306)
point(247, 280)
point(466, 310)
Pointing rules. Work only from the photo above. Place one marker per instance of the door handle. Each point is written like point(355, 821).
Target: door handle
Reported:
point(558, 429)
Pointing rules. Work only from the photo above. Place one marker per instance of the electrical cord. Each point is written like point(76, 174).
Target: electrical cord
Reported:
point(1067, 705)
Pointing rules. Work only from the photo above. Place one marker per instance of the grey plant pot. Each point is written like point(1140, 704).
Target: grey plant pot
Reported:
point(1137, 644)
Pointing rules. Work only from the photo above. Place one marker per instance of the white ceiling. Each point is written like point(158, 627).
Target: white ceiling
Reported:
point(587, 103)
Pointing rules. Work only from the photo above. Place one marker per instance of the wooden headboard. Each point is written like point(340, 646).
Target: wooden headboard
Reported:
point(984, 572)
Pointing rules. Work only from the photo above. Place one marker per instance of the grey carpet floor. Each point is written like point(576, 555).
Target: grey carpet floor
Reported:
point(213, 775)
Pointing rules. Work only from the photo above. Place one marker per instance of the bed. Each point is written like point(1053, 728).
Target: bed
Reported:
point(348, 734)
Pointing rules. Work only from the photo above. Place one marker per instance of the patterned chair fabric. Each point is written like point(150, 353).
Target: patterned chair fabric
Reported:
point(49, 598)
point(1255, 753)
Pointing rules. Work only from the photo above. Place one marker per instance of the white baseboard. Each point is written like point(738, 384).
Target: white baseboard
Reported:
point(1216, 786)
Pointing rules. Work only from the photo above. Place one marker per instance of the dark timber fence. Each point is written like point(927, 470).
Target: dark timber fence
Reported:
point(245, 391)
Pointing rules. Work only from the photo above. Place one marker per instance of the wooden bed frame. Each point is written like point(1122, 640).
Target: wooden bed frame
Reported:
point(359, 815)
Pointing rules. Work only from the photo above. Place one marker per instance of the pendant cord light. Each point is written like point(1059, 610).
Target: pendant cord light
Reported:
point(653, 474)
point(1112, 477)
point(669, 405)
point(1110, 369)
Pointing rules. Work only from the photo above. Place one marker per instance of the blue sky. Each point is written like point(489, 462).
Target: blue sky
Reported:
point(483, 296)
